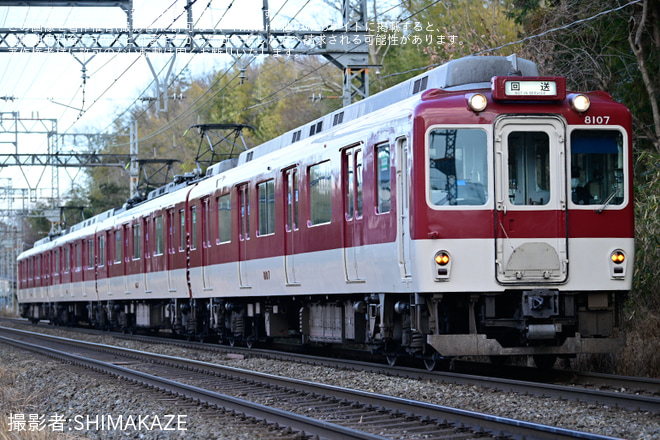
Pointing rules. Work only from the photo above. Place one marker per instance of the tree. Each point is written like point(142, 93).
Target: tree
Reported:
point(601, 46)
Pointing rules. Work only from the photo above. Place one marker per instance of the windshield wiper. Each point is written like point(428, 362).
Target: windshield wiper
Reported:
point(607, 201)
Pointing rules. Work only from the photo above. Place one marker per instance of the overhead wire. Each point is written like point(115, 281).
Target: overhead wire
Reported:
point(522, 40)
point(132, 64)
point(193, 108)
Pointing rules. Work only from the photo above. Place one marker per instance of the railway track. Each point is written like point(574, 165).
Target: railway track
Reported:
point(315, 409)
point(632, 393)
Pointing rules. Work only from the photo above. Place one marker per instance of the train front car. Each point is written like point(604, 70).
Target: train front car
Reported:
point(521, 217)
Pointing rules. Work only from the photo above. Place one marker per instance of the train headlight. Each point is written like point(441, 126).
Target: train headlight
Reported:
point(618, 264)
point(580, 103)
point(442, 265)
point(477, 102)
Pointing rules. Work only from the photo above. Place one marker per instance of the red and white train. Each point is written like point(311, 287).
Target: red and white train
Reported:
point(477, 209)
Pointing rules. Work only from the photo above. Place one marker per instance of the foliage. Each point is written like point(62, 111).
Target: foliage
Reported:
point(618, 52)
point(647, 232)
point(432, 33)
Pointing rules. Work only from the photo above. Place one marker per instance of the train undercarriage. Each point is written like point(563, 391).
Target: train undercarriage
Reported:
point(544, 323)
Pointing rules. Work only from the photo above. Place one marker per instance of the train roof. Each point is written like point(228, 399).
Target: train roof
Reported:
point(461, 74)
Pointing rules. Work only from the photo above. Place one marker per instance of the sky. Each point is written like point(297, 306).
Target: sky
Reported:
point(50, 86)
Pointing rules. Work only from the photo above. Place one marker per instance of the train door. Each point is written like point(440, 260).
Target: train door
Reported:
point(126, 257)
point(243, 233)
point(291, 230)
point(353, 218)
point(402, 209)
point(103, 263)
point(171, 245)
point(148, 268)
point(206, 244)
point(530, 190)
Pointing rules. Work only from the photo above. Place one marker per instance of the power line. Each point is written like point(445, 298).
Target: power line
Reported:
point(584, 20)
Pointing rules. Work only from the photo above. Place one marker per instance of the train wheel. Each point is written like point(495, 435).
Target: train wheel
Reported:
point(392, 360)
point(430, 363)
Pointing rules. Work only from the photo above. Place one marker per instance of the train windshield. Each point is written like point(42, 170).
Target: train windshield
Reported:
point(458, 167)
point(597, 167)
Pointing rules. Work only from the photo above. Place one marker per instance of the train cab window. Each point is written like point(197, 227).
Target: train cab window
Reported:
point(266, 209)
point(160, 240)
point(529, 168)
point(101, 251)
point(224, 219)
point(597, 167)
point(182, 230)
point(458, 167)
point(90, 253)
point(118, 246)
point(320, 193)
point(383, 179)
point(137, 238)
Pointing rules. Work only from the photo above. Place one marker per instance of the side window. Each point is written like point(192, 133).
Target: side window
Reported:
point(206, 222)
point(56, 257)
point(291, 191)
point(67, 258)
point(90, 253)
point(353, 182)
point(78, 256)
point(160, 243)
point(101, 251)
point(118, 246)
point(224, 219)
point(244, 203)
point(193, 227)
point(182, 230)
point(137, 238)
point(320, 193)
point(266, 210)
point(383, 178)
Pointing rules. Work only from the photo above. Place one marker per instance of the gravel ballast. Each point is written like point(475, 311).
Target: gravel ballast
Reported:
point(72, 392)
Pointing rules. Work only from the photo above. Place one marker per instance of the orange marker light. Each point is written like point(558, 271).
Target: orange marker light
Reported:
point(618, 257)
point(442, 258)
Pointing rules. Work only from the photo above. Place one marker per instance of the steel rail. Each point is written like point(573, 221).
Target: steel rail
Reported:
point(496, 425)
point(616, 399)
point(296, 422)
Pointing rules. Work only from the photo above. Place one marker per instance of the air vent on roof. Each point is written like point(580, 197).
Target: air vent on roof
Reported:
point(420, 85)
point(338, 119)
point(249, 156)
point(296, 136)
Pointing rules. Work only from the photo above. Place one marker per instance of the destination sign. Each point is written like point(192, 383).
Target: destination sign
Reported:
point(529, 88)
